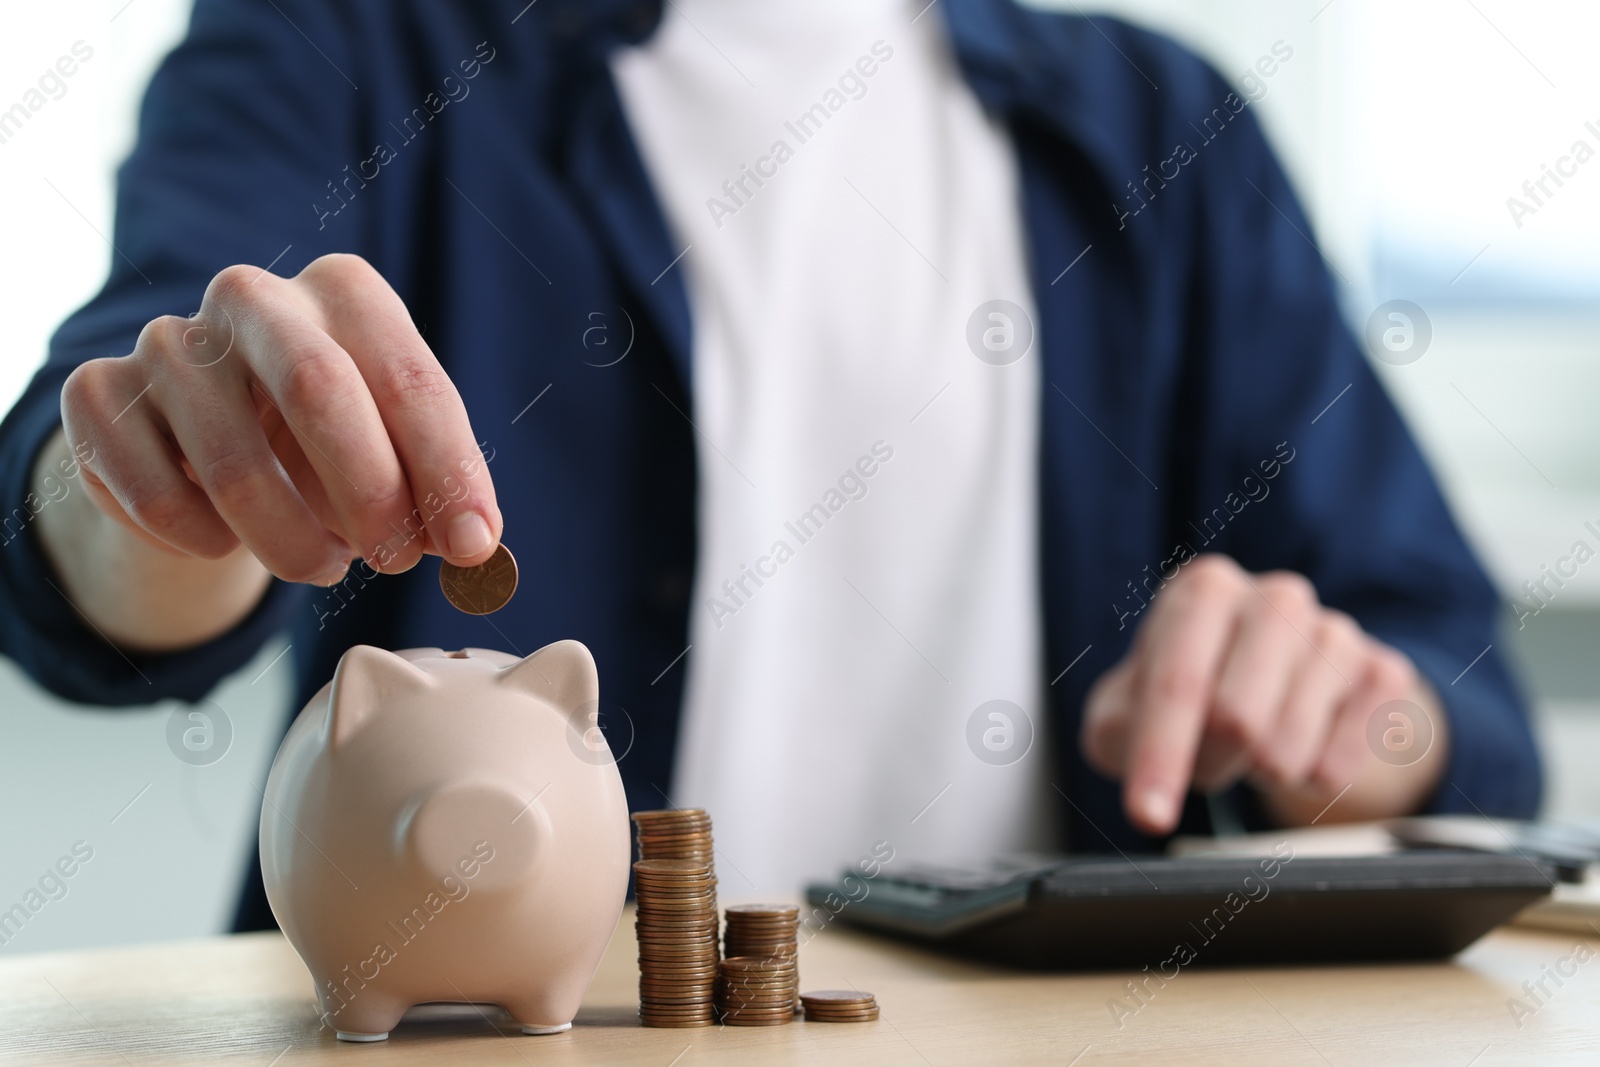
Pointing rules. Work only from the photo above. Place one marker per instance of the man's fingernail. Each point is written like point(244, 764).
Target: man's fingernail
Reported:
point(469, 535)
point(1153, 807)
point(334, 576)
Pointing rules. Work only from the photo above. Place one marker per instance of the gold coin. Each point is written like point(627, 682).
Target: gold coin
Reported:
point(853, 1009)
point(691, 886)
point(648, 899)
point(669, 935)
point(484, 589)
point(745, 987)
point(658, 998)
point(681, 964)
point(763, 911)
point(755, 965)
point(752, 997)
point(661, 972)
point(669, 868)
point(675, 850)
point(829, 998)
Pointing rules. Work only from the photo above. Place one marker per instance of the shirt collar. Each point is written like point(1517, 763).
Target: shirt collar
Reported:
point(996, 41)
point(987, 34)
point(1018, 66)
point(598, 24)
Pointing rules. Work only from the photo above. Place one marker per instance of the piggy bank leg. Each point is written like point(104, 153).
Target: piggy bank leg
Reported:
point(367, 1018)
point(347, 1035)
point(541, 1015)
point(540, 1030)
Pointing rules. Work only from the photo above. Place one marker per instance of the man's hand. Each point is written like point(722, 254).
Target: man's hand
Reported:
point(1235, 675)
point(304, 418)
point(290, 427)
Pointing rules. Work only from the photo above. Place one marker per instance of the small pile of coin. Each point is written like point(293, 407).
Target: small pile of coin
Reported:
point(839, 1006)
point(677, 928)
point(677, 834)
point(752, 991)
point(764, 931)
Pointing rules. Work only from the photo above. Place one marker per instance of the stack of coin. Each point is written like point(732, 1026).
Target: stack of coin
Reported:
point(764, 931)
point(752, 991)
point(839, 1006)
point(677, 928)
point(761, 930)
point(677, 834)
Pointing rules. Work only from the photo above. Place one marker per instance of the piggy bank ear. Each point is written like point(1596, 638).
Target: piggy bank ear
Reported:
point(563, 674)
point(366, 678)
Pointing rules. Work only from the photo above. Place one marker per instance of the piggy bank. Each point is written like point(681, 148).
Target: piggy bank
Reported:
point(448, 827)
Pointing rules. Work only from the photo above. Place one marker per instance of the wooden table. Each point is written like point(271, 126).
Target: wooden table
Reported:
point(247, 1000)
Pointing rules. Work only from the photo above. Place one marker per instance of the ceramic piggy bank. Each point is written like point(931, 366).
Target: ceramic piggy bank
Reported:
point(448, 827)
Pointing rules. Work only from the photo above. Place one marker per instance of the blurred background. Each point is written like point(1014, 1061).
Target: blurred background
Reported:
point(1406, 127)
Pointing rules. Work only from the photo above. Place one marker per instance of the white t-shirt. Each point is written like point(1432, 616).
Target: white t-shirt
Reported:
point(868, 563)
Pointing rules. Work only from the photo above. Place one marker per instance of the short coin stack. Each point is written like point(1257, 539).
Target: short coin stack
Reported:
point(675, 885)
point(839, 1006)
point(764, 931)
point(754, 991)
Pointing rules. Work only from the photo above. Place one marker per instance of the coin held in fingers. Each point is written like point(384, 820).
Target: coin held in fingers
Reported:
point(483, 589)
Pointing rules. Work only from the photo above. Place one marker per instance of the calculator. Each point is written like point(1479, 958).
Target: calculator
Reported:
point(1171, 912)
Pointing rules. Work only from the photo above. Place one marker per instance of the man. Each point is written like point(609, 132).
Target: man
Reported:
point(934, 419)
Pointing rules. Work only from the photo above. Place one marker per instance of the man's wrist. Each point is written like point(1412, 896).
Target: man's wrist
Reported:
point(138, 596)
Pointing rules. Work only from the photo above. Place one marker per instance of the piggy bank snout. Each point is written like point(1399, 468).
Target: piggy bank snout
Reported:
point(482, 832)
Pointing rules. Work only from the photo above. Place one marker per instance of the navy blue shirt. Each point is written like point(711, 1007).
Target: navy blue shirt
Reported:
point(476, 153)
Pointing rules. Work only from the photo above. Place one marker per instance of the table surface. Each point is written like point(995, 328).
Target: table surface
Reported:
point(248, 1000)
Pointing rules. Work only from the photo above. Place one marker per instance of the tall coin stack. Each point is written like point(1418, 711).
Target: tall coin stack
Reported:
point(763, 931)
point(675, 887)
